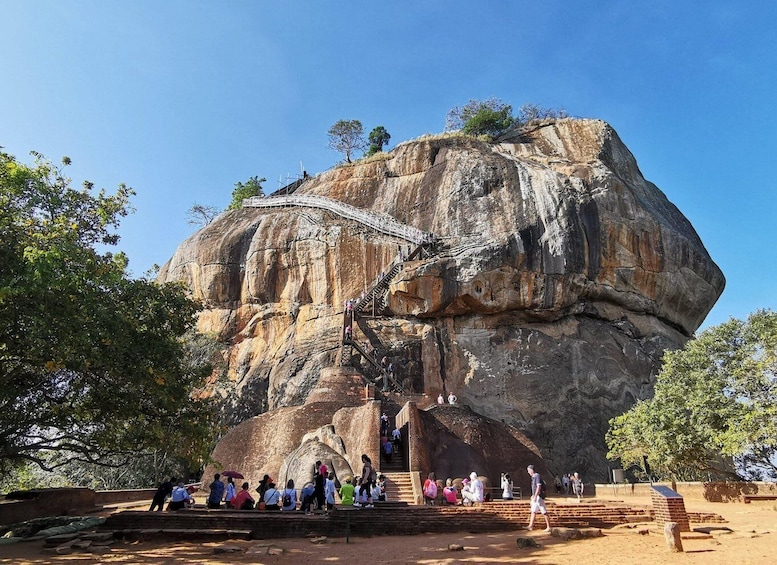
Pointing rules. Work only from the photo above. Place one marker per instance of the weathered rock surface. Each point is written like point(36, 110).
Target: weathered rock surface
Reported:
point(561, 278)
point(453, 440)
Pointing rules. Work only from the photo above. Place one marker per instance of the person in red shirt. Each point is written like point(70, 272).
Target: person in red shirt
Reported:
point(244, 500)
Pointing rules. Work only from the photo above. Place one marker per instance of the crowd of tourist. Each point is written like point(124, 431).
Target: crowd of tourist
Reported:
point(570, 483)
point(317, 495)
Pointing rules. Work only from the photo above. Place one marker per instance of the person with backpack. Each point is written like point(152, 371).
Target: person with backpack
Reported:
point(430, 489)
point(289, 499)
point(538, 493)
point(367, 481)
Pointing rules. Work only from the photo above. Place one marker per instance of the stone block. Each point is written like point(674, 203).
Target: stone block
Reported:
point(524, 543)
point(672, 537)
point(226, 548)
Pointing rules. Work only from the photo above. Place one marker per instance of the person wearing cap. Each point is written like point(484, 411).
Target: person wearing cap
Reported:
point(346, 492)
point(474, 494)
point(465, 487)
point(272, 498)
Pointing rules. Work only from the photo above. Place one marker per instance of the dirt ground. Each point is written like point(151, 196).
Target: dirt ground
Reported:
point(750, 536)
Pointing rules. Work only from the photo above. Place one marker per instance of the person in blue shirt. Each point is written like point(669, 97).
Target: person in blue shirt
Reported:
point(307, 495)
point(289, 497)
point(179, 498)
point(216, 492)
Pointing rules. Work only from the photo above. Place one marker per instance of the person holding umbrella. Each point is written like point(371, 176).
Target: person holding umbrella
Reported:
point(231, 490)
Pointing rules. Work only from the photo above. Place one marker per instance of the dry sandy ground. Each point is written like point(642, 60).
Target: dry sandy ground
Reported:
point(750, 536)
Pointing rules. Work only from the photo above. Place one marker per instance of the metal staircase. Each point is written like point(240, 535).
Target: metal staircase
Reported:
point(382, 223)
point(374, 299)
point(390, 384)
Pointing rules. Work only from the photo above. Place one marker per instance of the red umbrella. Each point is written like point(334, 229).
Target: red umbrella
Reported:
point(233, 474)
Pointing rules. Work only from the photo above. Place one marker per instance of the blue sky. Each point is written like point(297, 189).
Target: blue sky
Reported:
point(181, 99)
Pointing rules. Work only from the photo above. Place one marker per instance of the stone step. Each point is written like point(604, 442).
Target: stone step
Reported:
point(399, 486)
point(391, 518)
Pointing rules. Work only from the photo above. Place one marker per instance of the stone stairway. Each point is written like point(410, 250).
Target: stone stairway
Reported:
point(399, 486)
point(397, 463)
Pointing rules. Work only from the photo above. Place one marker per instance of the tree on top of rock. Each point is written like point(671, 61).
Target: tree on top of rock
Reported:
point(345, 137)
point(252, 187)
point(490, 117)
point(201, 214)
point(493, 117)
point(378, 138)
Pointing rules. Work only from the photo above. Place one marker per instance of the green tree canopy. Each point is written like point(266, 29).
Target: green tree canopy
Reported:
point(252, 187)
point(493, 117)
point(378, 138)
point(481, 117)
point(346, 136)
point(714, 412)
point(92, 363)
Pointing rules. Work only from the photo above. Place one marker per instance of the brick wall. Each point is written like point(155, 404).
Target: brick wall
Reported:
point(669, 509)
point(731, 491)
point(47, 502)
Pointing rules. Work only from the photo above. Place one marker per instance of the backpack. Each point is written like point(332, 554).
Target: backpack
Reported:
point(431, 489)
point(286, 498)
point(373, 474)
point(543, 488)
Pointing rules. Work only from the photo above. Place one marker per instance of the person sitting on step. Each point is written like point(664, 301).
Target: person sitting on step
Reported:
point(430, 489)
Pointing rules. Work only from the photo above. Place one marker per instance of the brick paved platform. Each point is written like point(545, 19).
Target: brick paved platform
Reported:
point(388, 519)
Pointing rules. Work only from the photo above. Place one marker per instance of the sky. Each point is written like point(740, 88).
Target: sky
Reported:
point(181, 99)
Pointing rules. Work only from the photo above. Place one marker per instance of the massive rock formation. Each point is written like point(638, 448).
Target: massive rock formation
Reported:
point(336, 425)
point(559, 278)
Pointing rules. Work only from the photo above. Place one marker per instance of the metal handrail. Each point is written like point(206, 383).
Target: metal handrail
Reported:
point(379, 222)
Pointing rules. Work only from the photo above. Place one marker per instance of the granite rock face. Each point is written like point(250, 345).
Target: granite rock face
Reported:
point(559, 278)
point(451, 440)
